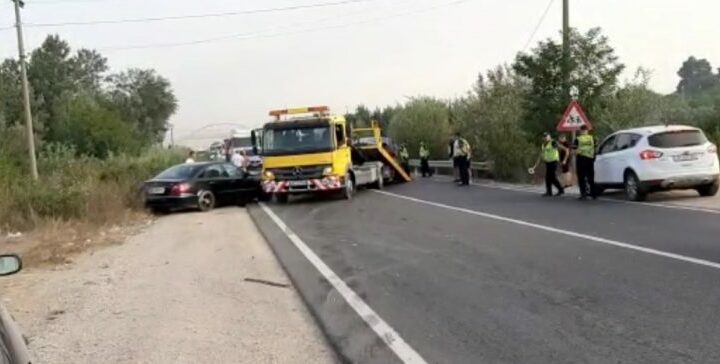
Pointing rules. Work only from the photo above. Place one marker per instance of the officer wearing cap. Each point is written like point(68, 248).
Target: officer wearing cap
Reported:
point(585, 163)
point(550, 154)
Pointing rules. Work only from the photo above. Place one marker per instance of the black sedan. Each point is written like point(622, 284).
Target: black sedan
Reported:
point(201, 186)
point(13, 347)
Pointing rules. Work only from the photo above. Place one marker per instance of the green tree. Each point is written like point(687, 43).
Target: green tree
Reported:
point(491, 118)
point(594, 69)
point(145, 100)
point(422, 119)
point(93, 129)
point(696, 77)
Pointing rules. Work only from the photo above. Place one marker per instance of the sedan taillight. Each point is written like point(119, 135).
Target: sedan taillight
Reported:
point(180, 189)
point(650, 154)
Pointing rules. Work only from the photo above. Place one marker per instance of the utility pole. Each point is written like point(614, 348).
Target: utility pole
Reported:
point(172, 135)
point(566, 47)
point(26, 90)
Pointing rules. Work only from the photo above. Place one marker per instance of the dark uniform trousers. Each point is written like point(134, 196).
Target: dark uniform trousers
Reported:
point(464, 166)
point(586, 175)
point(551, 177)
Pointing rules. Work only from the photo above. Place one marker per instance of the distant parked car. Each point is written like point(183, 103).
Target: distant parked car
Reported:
point(13, 348)
point(644, 160)
point(201, 186)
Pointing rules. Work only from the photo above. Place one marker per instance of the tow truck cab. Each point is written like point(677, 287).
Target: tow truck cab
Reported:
point(307, 150)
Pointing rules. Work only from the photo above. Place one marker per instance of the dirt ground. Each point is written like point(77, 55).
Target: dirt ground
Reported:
point(188, 288)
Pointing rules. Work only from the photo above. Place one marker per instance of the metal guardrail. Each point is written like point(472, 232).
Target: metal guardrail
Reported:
point(448, 164)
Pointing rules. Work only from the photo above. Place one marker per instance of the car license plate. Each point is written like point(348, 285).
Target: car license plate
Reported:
point(298, 183)
point(685, 157)
point(156, 190)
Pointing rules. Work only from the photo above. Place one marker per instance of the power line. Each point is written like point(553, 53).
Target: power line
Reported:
point(196, 16)
point(258, 35)
point(537, 27)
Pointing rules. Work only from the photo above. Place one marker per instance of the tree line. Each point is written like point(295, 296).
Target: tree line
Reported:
point(77, 102)
point(511, 105)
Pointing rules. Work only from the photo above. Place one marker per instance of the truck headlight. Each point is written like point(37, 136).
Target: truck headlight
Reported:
point(327, 171)
point(268, 175)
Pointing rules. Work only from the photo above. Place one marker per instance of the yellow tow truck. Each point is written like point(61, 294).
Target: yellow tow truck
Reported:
point(310, 150)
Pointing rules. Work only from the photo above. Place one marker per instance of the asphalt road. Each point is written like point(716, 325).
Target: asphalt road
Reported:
point(480, 275)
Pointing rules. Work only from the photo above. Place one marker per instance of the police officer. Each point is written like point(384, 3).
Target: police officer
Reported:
point(461, 154)
point(424, 160)
point(550, 154)
point(585, 163)
point(405, 158)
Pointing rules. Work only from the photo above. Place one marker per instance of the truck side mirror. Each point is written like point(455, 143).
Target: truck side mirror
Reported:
point(253, 140)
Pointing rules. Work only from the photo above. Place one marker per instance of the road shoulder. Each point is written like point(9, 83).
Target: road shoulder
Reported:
point(191, 288)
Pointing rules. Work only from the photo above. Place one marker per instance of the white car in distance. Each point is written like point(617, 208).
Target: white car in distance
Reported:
point(657, 158)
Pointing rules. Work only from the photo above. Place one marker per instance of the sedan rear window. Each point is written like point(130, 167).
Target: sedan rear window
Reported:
point(677, 139)
point(181, 171)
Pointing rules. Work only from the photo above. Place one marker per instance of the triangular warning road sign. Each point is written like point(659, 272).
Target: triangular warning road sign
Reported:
point(573, 118)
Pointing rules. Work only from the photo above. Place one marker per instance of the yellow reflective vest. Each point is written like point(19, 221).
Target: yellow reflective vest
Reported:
point(586, 146)
point(550, 152)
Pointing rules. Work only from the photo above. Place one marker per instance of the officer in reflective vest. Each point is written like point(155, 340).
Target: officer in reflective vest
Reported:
point(405, 158)
point(462, 154)
point(424, 158)
point(585, 163)
point(550, 154)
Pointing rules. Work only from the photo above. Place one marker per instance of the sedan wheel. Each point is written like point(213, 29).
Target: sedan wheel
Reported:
point(206, 201)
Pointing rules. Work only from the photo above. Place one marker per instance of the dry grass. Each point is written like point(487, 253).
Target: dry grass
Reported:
point(78, 204)
point(55, 242)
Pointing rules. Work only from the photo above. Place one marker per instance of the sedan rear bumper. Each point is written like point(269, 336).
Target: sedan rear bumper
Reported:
point(171, 202)
point(686, 181)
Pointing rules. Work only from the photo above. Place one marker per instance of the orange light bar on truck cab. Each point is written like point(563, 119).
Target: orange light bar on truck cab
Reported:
point(299, 110)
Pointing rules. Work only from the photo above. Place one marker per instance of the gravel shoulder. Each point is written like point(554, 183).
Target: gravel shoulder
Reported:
point(178, 292)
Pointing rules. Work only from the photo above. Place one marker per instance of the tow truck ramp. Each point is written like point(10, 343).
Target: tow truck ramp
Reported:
point(377, 152)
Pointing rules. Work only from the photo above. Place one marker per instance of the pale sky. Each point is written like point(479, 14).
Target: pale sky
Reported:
point(373, 52)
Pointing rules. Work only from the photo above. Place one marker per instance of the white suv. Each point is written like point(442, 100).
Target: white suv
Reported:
point(657, 158)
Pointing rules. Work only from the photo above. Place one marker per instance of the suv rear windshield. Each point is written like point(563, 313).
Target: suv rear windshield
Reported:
point(677, 139)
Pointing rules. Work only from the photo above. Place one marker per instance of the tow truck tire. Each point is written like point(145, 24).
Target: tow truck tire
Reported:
point(349, 189)
point(282, 198)
point(710, 189)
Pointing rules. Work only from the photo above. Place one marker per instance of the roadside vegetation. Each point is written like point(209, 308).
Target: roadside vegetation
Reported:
point(511, 105)
point(97, 134)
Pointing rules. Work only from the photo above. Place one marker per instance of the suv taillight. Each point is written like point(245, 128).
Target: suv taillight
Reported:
point(650, 154)
point(712, 149)
point(179, 189)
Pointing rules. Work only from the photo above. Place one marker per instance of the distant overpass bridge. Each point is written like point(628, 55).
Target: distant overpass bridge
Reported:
point(201, 138)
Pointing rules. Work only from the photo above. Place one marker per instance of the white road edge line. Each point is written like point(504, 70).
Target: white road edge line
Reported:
point(653, 204)
point(596, 239)
point(386, 333)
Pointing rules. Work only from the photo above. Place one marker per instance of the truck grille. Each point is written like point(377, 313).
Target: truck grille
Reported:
point(298, 173)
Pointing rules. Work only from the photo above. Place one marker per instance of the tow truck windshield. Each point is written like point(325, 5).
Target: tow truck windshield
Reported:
point(297, 140)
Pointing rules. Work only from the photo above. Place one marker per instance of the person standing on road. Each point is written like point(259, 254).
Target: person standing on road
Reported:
point(451, 155)
point(566, 179)
point(404, 158)
point(585, 163)
point(191, 157)
point(238, 160)
point(461, 154)
point(424, 160)
point(550, 154)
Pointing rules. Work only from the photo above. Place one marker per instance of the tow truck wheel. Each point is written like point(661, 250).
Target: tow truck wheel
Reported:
point(349, 187)
point(282, 197)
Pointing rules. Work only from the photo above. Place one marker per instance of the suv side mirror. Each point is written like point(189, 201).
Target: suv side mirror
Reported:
point(10, 264)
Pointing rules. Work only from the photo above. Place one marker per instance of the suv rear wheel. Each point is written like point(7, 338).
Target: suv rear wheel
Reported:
point(709, 190)
point(633, 188)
